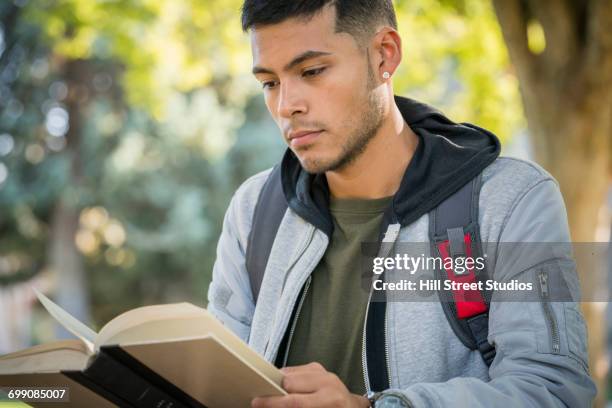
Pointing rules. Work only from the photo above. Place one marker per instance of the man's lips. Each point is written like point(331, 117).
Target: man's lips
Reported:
point(302, 138)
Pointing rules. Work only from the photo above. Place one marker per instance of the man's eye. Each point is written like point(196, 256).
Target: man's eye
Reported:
point(307, 73)
point(313, 72)
point(268, 84)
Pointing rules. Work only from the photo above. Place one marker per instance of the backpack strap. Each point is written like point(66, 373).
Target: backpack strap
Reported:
point(269, 211)
point(454, 232)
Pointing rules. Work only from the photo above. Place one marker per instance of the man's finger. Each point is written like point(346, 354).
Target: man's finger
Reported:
point(314, 366)
point(307, 381)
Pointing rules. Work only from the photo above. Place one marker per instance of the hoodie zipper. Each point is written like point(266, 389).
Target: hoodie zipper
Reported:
point(364, 358)
point(390, 237)
point(551, 322)
point(387, 350)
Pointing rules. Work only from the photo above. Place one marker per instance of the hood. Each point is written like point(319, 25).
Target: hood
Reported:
point(448, 156)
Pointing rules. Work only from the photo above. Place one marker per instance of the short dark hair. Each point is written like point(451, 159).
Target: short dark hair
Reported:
point(356, 17)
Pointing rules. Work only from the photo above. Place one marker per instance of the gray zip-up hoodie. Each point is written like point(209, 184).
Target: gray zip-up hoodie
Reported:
point(541, 358)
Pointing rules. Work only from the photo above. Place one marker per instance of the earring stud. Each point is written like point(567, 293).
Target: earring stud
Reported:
point(386, 75)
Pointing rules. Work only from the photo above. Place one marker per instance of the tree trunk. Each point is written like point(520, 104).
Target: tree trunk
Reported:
point(64, 257)
point(67, 264)
point(567, 97)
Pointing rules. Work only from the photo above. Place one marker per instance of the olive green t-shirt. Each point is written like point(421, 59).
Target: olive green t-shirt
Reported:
point(329, 326)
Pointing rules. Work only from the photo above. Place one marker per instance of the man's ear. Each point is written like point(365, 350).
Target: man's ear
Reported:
point(387, 51)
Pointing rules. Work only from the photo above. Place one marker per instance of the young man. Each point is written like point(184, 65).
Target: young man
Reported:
point(359, 158)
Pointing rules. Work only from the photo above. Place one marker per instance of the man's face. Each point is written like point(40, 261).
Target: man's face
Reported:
point(319, 88)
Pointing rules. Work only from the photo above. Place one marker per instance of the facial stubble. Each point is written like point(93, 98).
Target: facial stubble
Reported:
point(370, 121)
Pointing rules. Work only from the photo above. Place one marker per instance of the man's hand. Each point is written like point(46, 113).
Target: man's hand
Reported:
point(311, 385)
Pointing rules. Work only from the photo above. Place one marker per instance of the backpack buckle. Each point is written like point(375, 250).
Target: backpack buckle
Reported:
point(456, 243)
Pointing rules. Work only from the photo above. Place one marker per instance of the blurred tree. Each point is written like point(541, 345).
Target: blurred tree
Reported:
point(454, 57)
point(114, 133)
point(562, 51)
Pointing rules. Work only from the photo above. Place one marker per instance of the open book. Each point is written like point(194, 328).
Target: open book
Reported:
point(175, 355)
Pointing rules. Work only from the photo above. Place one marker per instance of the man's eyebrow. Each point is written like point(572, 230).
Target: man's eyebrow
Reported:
point(296, 61)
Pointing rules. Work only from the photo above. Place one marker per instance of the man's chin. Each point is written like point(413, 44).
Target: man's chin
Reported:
point(316, 165)
point(309, 162)
point(312, 167)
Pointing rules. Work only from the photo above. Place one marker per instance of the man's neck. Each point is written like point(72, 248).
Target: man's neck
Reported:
point(378, 171)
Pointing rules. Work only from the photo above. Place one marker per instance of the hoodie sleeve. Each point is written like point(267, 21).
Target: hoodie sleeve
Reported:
point(229, 295)
point(541, 358)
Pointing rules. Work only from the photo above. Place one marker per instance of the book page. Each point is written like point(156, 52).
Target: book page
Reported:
point(160, 323)
point(47, 358)
point(127, 322)
point(70, 344)
point(71, 324)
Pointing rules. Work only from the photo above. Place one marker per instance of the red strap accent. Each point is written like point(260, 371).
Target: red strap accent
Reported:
point(468, 302)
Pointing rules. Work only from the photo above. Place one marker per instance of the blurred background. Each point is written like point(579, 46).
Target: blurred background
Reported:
point(126, 126)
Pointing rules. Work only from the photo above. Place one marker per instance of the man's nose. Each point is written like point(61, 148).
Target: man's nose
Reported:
point(291, 101)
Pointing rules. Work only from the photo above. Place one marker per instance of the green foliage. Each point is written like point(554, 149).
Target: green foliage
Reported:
point(164, 45)
point(154, 159)
point(455, 58)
